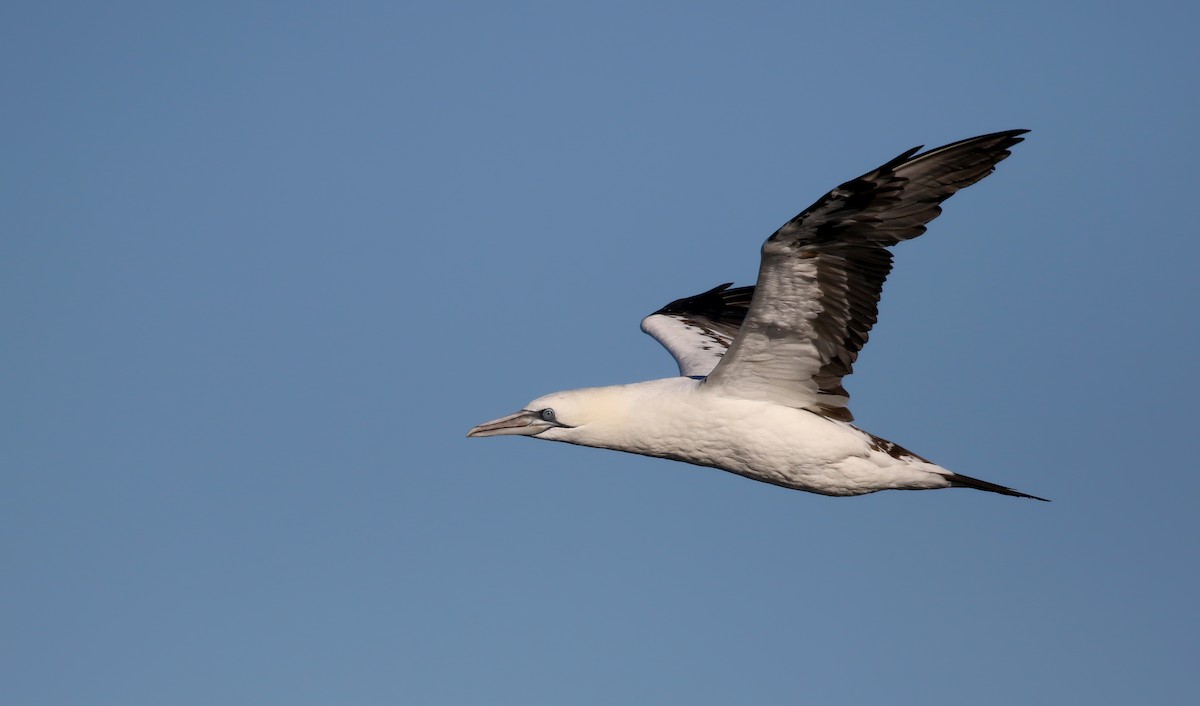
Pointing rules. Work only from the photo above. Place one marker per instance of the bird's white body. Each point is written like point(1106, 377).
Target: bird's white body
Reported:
point(680, 419)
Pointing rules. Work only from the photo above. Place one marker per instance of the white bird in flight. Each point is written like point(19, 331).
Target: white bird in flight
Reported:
point(759, 391)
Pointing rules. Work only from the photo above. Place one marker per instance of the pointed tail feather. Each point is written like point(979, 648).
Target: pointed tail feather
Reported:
point(961, 481)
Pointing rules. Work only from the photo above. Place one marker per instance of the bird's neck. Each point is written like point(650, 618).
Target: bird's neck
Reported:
point(626, 417)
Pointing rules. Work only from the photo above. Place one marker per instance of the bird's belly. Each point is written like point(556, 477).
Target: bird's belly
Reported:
point(779, 445)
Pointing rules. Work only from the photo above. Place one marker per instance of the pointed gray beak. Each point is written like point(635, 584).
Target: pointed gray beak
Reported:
point(523, 423)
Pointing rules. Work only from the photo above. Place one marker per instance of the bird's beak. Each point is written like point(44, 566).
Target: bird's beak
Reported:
point(523, 423)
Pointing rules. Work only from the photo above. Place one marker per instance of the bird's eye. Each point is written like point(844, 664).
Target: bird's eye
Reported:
point(548, 414)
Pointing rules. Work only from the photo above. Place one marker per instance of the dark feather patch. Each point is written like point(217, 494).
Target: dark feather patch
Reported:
point(720, 305)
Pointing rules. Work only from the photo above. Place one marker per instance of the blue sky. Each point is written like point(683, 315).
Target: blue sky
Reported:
point(265, 264)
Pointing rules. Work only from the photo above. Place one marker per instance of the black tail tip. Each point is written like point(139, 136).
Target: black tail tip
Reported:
point(961, 481)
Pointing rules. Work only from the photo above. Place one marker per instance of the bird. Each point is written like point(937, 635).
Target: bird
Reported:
point(759, 391)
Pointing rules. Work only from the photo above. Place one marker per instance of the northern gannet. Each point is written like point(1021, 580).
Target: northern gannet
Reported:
point(759, 391)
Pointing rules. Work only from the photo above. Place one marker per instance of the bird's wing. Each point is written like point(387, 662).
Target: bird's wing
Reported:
point(697, 330)
point(821, 274)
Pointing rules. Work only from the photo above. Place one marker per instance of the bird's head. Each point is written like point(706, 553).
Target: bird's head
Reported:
point(561, 416)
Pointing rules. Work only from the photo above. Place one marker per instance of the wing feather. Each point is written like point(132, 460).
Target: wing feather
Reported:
point(822, 273)
point(697, 330)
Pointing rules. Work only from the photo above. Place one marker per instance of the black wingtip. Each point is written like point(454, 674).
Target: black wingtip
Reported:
point(961, 481)
point(1001, 141)
point(1009, 137)
point(718, 304)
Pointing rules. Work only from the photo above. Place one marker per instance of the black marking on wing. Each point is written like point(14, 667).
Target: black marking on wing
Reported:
point(897, 200)
point(893, 449)
point(720, 309)
point(853, 277)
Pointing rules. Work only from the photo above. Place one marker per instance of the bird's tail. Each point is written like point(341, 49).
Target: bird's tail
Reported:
point(961, 481)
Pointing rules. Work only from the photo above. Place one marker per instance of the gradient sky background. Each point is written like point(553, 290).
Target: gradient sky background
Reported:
point(265, 264)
